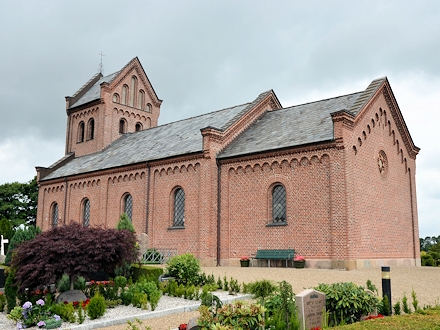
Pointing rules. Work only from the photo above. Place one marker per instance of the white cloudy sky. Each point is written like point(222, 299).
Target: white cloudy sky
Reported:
point(206, 55)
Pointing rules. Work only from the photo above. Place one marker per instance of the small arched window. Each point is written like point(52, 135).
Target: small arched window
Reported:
point(116, 98)
point(138, 127)
point(128, 205)
point(122, 126)
point(279, 204)
point(81, 132)
point(91, 129)
point(54, 215)
point(133, 88)
point(140, 100)
point(86, 213)
point(148, 109)
point(124, 94)
point(179, 208)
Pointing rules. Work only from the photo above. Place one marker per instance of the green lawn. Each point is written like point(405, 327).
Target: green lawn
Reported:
point(426, 320)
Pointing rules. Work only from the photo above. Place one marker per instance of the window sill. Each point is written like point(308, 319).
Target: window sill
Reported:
point(276, 224)
point(176, 227)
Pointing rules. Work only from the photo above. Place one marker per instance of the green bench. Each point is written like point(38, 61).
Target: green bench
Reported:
point(269, 255)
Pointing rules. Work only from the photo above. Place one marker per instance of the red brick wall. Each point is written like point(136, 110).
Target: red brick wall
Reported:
point(382, 207)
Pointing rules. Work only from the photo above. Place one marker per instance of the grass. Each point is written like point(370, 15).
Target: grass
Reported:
point(425, 320)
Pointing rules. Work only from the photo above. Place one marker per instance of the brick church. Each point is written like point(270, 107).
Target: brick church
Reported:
point(333, 179)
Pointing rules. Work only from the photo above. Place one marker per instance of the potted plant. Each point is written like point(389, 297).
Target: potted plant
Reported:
point(244, 261)
point(299, 261)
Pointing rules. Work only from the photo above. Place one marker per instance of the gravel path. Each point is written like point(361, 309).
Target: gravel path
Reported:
point(424, 280)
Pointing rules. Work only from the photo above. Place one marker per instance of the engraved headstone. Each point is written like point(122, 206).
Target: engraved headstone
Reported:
point(311, 306)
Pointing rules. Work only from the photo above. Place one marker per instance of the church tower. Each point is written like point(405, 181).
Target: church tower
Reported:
point(106, 107)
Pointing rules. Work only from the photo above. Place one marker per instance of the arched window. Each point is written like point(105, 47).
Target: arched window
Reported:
point(132, 90)
point(122, 126)
point(140, 101)
point(116, 97)
point(81, 132)
point(91, 129)
point(278, 204)
point(148, 109)
point(138, 127)
point(124, 94)
point(128, 205)
point(54, 215)
point(179, 207)
point(86, 213)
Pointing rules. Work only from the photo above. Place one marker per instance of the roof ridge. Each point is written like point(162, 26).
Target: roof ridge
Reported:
point(201, 115)
point(327, 99)
point(245, 110)
point(366, 95)
point(88, 82)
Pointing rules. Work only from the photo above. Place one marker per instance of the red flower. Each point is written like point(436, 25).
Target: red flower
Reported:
point(182, 326)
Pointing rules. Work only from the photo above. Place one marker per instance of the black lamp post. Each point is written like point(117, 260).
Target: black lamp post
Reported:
point(386, 284)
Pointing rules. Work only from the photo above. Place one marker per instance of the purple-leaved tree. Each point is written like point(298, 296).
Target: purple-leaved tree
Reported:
point(73, 250)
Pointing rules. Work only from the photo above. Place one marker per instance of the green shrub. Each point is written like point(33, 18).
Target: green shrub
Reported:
point(127, 297)
point(396, 308)
point(232, 316)
point(64, 283)
point(405, 306)
point(120, 281)
point(184, 268)
point(52, 323)
point(11, 290)
point(140, 300)
point(80, 283)
point(65, 311)
point(124, 223)
point(150, 273)
point(96, 307)
point(2, 302)
point(346, 302)
point(113, 303)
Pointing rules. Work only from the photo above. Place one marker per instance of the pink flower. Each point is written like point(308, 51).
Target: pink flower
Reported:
point(299, 258)
point(244, 258)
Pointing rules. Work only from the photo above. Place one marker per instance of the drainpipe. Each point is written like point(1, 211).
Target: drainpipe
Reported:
point(218, 209)
point(147, 197)
point(65, 201)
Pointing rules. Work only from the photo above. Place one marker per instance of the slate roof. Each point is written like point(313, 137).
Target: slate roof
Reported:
point(173, 139)
point(290, 127)
point(287, 127)
point(94, 93)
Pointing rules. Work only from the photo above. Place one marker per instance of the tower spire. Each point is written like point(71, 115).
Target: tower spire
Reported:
point(101, 66)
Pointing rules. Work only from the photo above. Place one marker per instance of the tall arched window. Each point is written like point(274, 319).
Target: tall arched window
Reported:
point(86, 213)
point(140, 100)
point(122, 126)
point(179, 208)
point(279, 203)
point(128, 206)
point(133, 88)
point(124, 94)
point(81, 132)
point(54, 215)
point(91, 129)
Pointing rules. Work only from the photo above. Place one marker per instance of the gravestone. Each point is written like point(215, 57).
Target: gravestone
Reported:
point(311, 306)
point(3, 241)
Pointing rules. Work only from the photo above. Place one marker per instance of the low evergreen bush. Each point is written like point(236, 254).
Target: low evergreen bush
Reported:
point(184, 268)
point(150, 273)
point(96, 307)
point(346, 302)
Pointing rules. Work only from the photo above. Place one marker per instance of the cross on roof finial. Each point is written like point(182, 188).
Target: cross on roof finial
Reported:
point(101, 66)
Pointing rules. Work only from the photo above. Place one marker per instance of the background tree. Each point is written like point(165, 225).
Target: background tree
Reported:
point(18, 202)
point(21, 235)
point(73, 250)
